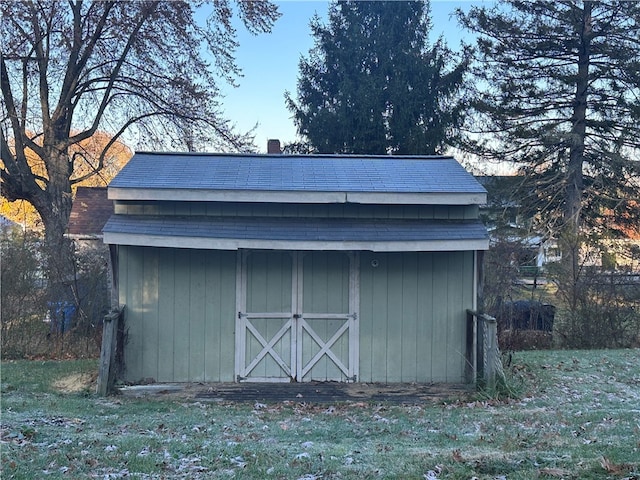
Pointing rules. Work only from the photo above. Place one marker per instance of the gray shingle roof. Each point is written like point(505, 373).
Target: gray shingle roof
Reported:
point(296, 173)
point(270, 229)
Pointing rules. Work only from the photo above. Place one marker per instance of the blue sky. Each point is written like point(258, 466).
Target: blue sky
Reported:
point(270, 65)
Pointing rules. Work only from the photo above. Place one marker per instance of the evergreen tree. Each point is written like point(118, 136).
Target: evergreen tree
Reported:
point(560, 98)
point(372, 85)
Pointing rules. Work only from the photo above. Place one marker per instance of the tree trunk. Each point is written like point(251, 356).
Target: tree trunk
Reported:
point(575, 182)
point(53, 203)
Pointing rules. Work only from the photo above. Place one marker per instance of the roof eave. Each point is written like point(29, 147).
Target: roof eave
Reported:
point(205, 243)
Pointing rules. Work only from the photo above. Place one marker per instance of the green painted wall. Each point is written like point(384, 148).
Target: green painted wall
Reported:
point(180, 313)
point(413, 314)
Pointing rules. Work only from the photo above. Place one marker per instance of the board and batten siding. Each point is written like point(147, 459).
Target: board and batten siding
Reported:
point(180, 313)
point(412, 316)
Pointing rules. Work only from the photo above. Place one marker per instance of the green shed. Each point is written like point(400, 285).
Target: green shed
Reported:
point(279, 268)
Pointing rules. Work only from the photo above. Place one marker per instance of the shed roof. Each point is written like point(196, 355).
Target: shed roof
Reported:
point(230, 233)
point(296, 178)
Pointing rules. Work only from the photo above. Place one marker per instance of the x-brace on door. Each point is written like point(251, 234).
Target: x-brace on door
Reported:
point(297, 316)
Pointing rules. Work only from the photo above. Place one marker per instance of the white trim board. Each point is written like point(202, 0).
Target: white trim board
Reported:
point(206, 243)
point(297, 196)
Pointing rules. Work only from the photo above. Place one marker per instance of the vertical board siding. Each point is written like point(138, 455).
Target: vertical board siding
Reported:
point(365, 332)
point(424, 329)
point(197, 295)
point(149, 292)
point(211, 328)
point(226, 302)
point(419, 301)
point(219, 335)
point(455, 330)
point(378, 322)
point(180, 313)
point(181, 316)
point(394, 317)
point(410, 300)
point(135, 332)
point(166, 315)
point(440, 317)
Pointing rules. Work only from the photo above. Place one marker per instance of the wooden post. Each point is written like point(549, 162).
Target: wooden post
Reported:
point(491, 336)
point(470, 354)
point(483, 328)
point(481, 346)
point(106, 370)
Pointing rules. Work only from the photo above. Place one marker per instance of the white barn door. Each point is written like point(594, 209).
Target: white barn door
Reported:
point(297, 316)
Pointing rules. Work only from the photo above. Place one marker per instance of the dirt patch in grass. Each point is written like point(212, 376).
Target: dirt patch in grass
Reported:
point(76, 382)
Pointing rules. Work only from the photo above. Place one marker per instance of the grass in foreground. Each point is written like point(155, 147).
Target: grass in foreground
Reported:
point(578, 418)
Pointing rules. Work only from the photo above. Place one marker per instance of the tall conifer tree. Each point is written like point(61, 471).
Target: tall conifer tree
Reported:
point(560, 98)
point(373, 85)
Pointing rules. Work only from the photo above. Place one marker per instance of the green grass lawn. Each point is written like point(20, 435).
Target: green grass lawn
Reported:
point(577, 417)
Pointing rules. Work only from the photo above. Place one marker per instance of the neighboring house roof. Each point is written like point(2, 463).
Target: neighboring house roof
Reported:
point(297, 179)
point(230, 233)
point(90, 211)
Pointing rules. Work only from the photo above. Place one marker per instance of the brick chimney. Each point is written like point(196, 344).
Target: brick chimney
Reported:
point(273, 146)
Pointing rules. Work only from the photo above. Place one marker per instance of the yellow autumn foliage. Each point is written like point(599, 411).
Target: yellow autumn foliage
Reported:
point(86, 155)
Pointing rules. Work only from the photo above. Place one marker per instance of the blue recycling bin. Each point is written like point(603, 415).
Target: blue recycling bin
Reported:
point(61, 315)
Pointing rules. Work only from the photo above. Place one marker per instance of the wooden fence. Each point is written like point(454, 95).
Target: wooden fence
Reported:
point(484, 364)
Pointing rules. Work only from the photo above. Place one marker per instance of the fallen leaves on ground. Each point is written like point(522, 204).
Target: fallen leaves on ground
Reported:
point(615, 469)
point(555, 472)
point(457, 456)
